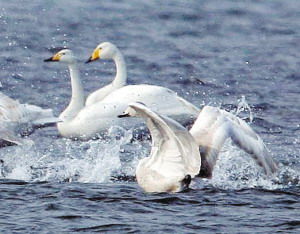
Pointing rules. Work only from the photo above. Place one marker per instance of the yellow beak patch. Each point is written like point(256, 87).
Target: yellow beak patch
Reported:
point(96, 54)
point(56, 57)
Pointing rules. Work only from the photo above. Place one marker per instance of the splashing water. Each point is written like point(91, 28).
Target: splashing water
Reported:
point(98, 161)
point(236, 170)
point(91, 161)
point(243, 106)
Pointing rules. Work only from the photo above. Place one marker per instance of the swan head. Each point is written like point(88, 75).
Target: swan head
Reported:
point(133, 110)
point(64, 56)
point(105, 50)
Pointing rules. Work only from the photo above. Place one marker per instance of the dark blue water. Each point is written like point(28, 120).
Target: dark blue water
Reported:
point(237, 48)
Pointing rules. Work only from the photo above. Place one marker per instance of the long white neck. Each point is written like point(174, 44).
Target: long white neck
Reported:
point(118, 82)
point(77, 98)
point(121, 76)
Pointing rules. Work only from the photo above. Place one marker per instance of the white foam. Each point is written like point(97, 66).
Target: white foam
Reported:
point(96, 161)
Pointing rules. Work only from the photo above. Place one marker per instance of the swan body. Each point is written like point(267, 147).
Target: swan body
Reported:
point(158, 98)
point(167, 101)
point(83, 121)
point(92, 120)
point(174, 159)
point(14, 116)
point(214, 126)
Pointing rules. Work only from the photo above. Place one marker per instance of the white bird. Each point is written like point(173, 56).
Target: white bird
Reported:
point(85, 121)
point(78, 120)
point(167, 101)
point(175, 158)
point(15, 116)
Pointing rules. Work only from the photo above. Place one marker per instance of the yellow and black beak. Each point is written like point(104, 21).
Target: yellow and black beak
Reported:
point(54, 58)
point(95, 55)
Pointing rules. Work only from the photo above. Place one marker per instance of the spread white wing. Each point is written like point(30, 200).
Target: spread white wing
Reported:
point(214, 126)
point(174, 151)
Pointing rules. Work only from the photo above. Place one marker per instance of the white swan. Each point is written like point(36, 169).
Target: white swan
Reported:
point(78, 120)
point(166, 100)
point(175, 155)
point(15, 116)
point(84, 122)
point(174, 159)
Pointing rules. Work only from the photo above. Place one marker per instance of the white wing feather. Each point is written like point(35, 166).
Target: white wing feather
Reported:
point(174, 151)
point(214, 126)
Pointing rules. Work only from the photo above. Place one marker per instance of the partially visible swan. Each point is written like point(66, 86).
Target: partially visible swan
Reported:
point(14, 116)
point(174, 157)
point(85, 121)
point(167, 101)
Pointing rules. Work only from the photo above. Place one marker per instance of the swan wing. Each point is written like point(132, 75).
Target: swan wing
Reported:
point(9, 109)
point(174, 150)
point(12, 111)
point(214, 126)
point(37, 115)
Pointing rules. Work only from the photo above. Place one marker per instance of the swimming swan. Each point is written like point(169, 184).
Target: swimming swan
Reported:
point(84, 122)
point(174, 157)
point(167, 101)
point(78, 120)
point(15, 116)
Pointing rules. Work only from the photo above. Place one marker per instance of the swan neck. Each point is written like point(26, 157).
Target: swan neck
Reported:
point(77, 98)
point(121, 76)
point(77, 89)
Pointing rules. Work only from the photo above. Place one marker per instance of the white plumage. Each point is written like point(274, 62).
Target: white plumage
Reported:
point(175, 151)
point(13, 115)
point(174, 157)
point(214, 126)
point(84, 120)
point(167, 102)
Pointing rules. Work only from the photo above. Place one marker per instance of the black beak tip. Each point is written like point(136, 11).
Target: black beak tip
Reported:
point(48, 60)
point(89, 60)
point(123, 115)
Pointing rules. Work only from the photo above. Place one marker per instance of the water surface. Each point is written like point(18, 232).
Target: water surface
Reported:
point(237, 48)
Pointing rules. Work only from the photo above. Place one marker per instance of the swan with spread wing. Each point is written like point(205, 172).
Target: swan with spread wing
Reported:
point(175, 159)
